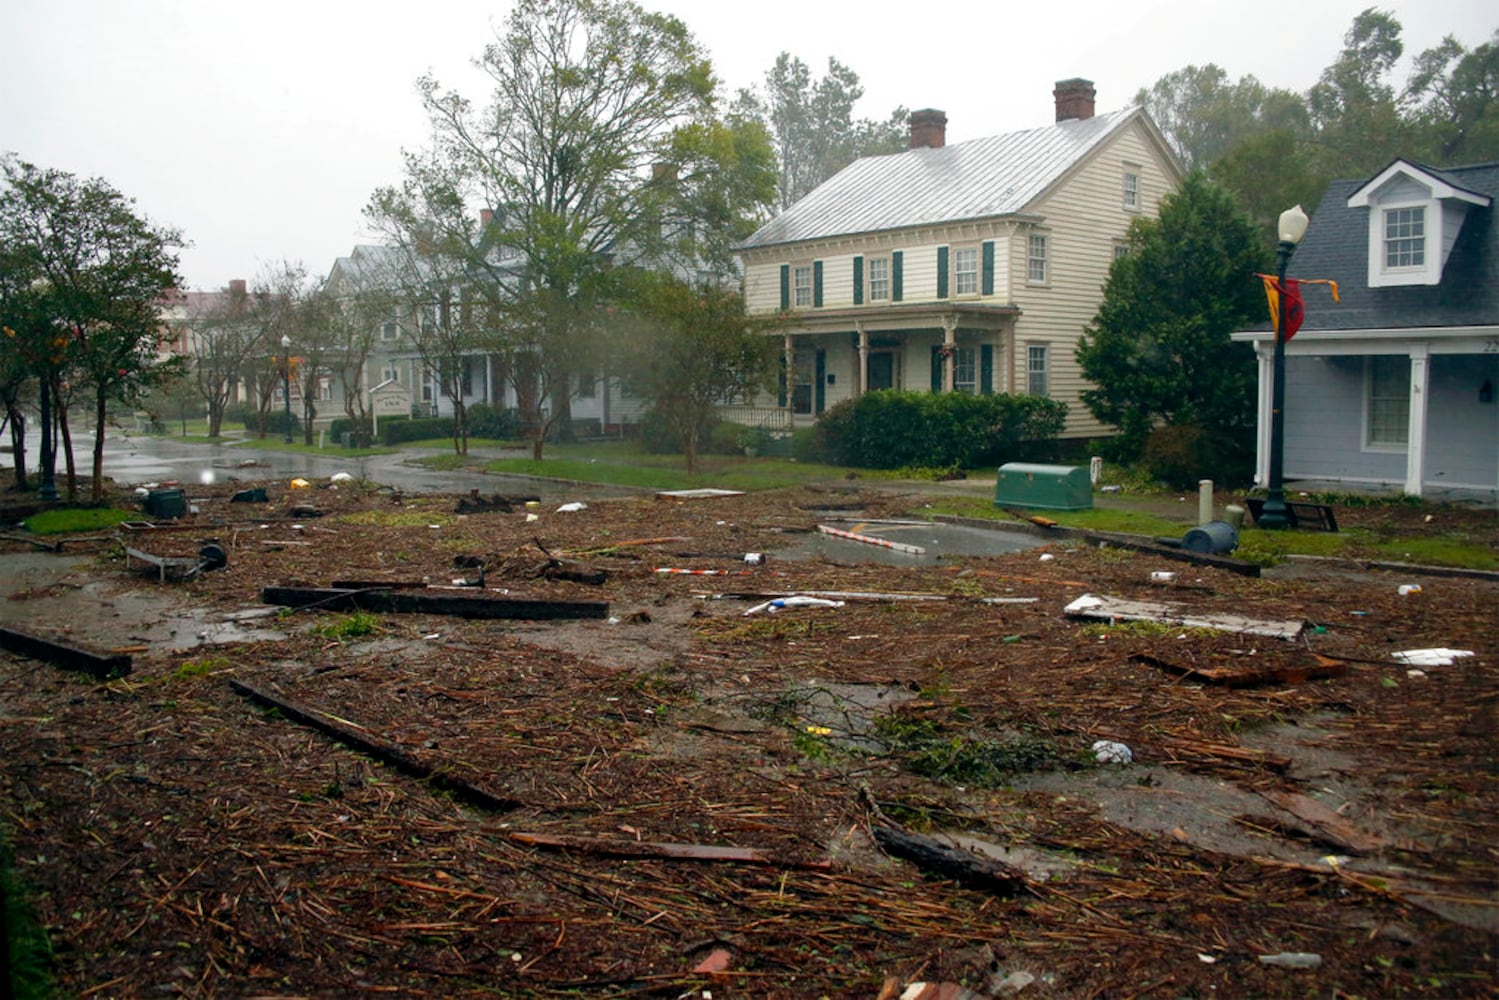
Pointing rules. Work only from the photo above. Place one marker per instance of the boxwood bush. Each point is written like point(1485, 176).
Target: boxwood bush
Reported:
point(894, 429)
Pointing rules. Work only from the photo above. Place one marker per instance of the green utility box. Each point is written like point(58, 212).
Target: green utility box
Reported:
point(1050, 487)
point(165, 503)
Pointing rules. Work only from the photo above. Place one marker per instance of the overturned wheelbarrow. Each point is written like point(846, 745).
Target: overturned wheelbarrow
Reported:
point(179, 568)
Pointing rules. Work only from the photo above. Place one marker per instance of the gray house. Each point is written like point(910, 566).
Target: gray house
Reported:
point(1395, 386)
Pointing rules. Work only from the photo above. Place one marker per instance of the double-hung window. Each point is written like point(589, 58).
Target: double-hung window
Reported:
point(1389, 402)
point(879, 279)
point(1131, 191)
point(390, 330)
point(965, 270)
point(965, 369)
point(1035, 263)
point(802, 287)
point(1036, 369)
point(1404, 237)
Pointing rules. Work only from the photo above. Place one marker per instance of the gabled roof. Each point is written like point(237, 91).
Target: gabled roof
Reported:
point(1337, 246)
point(1443, 184)
point(981, 178)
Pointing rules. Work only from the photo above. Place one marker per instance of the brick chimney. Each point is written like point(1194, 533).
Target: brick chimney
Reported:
point(237, 286)
point(1074, 99)
point(486, 218)
point(928, 129)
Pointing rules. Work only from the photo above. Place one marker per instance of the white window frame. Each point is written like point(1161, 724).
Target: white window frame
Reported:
point(965, 271)
point(1414, 244)
point(1389, 435)
point(965, 370)
point(1121, 250)
point(1037, 259)
point(390, 330)
point(1131, 188)
point(879, 279)
point(801, 287)
point(391, 374)
point(1038, 369)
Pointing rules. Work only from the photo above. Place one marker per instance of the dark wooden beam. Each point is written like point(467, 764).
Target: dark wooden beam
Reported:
point(419, 602)
point(69, 657)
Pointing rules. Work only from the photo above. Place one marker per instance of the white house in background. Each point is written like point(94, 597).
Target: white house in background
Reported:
point(971, 268)
point(1395, 386)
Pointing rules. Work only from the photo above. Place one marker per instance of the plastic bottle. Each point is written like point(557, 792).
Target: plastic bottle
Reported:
point(1293, 960)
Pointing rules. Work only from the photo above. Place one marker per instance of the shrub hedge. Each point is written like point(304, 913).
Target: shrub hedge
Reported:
point(894, 429)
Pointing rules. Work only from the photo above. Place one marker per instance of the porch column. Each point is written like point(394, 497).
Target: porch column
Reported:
point(863, 385)
point(949, 349)
point(788, 350)
point(1265, 384)
point(1415, 448)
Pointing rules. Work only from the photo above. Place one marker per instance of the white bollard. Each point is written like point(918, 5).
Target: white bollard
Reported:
point(1204, 501)
point(1095, 470)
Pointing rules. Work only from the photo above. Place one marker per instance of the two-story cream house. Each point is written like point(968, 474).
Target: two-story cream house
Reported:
point(971, 268)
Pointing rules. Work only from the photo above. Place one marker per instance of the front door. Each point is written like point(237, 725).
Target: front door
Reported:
point(881, 370)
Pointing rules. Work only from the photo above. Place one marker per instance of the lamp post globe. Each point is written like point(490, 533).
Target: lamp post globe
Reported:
point(1293, 222)
point(286, 381)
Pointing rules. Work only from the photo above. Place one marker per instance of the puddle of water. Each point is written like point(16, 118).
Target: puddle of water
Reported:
point(939, 541)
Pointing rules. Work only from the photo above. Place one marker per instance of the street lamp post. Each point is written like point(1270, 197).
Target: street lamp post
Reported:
point(1274, 515)
point(286, 381)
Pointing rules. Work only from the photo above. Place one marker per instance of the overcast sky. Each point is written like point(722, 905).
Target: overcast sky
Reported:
point(260, 130)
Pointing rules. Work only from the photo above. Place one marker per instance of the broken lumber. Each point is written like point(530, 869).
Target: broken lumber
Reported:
point(1255, 676)
point(656, 849)
point(1111, 609)
point(60, 654)
point(359, 738)
point(1325, 821)
point(884, 543)
point(418, 602)
point(949, 862)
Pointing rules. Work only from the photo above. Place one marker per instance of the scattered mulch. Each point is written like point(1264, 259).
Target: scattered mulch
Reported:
point(180, 838)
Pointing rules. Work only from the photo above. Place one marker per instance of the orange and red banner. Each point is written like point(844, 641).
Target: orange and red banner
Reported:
point(1295, 307)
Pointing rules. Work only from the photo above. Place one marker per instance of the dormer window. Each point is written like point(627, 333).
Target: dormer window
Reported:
point(1404, 238)
point(1415, 215)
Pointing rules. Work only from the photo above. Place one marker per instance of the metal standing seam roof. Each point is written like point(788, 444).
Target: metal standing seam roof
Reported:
point(981, 178)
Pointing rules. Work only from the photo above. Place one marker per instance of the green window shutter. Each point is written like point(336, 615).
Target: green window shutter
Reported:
point(781, 383)
point(897, 275)
point(936, 368)
point(785, 286)
point(942, 272)
point(817, 283)
point(858, 281)
point(987, 278)
point(819, 386)
point(986, 364)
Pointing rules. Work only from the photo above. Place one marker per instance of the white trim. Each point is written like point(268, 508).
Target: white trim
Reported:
point(1362, 198)
point(1437, 339)
point(1415, 460)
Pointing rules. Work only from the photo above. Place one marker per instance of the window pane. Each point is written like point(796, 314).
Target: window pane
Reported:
point(1035, 370)
point(803, 286)
point(965, 369)
point(1389, 400)
point(965, 272)
point(1405, 237)
point(1131, 190)
point(1036, 262)
point(879, 279)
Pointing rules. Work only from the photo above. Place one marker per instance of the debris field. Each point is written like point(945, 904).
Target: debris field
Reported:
point(387, 747)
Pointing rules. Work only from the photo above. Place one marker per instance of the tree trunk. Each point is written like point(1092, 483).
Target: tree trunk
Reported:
point(17, 441)
point(65, 433)
point(96, 490)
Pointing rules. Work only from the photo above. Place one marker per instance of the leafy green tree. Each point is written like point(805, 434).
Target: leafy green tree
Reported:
point(587, 97)
point(224, 333)
point(1158, 351)
point(1357, 121)
point(1453, 97)
point(686, 349)
point(100, 273)
point(813, 126)
point(1204, 115)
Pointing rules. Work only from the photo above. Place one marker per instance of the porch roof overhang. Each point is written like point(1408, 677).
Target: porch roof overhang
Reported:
point(1386, 340)
point(903, 316)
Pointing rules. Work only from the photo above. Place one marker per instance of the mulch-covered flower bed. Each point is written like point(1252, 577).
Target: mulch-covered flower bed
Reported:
point(447, 806)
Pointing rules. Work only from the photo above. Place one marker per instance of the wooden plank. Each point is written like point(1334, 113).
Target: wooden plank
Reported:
point(1327, 822)
point(949, 862)
point(69, 657)
point(1247, 677)
point(657, 849)
point(359, 738)
point(1120, 609)
point(426, 603)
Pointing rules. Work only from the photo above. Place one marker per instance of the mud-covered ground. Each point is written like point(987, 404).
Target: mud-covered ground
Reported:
point(1306, 795)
